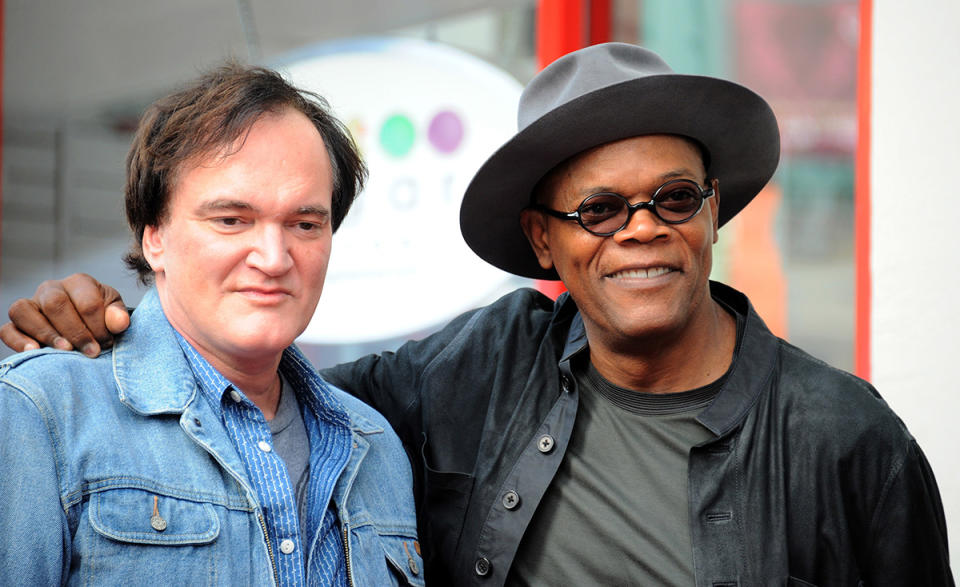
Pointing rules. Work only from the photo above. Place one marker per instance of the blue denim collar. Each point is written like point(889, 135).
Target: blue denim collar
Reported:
point(152, 374)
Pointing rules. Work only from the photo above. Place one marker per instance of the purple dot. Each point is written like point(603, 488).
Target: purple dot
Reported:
point(446, 131)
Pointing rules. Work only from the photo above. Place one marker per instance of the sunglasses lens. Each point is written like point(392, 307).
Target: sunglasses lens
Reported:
point(602, 213)
point(678, 201)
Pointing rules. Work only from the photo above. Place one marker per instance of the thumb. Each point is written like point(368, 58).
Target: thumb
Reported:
point(115, 314)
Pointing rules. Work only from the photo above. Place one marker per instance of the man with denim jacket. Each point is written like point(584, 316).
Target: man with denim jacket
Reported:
point(646, 428)
point(204, 448)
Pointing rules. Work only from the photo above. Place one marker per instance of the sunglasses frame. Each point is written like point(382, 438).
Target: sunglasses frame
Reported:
point(650, 204)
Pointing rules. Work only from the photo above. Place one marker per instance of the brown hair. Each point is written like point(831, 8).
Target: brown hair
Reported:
point(214, 112)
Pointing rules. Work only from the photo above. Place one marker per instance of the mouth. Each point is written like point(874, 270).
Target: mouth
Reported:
point(265, 294)
point(641, 273)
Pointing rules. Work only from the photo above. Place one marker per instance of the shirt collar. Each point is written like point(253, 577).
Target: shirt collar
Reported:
point(566, 311)
point(753, 362)
point(211, 382)
point(300, 374)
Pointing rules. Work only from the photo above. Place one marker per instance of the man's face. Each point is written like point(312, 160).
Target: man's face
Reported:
point(241, 257)
point(649, 279)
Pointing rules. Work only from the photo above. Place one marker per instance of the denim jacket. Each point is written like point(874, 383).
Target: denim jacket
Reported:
point(89, 447)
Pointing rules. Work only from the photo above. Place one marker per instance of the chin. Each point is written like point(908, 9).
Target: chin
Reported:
point(257, 344)
point(648, 324)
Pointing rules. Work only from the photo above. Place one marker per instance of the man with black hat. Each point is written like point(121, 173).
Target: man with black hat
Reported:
point(645, 428)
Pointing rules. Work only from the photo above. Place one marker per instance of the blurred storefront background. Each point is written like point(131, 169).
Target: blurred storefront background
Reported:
point(429, 89)
point(63, 172)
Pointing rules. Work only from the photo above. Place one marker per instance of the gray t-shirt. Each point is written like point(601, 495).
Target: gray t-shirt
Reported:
point(291, 442)
point(616, 512)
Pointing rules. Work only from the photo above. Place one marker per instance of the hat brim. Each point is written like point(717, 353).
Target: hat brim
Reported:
point(734, 124)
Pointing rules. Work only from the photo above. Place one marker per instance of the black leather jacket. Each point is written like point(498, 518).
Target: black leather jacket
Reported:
point(811, 478)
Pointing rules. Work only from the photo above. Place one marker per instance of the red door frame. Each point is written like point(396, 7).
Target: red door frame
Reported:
point(567, 25)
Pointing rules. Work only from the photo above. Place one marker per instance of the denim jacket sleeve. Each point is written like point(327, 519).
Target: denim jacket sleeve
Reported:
point(33, 525)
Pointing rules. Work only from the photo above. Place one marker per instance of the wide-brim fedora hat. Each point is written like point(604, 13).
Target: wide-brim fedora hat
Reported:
point(601, 94)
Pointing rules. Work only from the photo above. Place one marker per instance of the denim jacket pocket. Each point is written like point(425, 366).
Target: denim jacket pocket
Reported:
point(138, 516)
point(403, 556)
point(384, 556)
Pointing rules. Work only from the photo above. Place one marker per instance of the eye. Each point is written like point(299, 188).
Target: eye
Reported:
point(679, 199)
point(309, 227)
point(679, 194)
point(600, 207)
point(227, 221)
point(597, 208)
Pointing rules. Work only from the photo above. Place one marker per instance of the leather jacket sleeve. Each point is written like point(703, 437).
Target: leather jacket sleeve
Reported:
point(907, 540)
point(391, 382)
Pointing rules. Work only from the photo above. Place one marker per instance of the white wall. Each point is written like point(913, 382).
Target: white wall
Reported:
point(915, 249)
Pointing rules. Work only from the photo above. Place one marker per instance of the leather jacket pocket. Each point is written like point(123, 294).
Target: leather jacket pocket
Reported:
point(137, 516)
point(446, 495)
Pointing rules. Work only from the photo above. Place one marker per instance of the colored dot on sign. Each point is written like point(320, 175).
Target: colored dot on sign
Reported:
point(446, 131)
point(396, 135)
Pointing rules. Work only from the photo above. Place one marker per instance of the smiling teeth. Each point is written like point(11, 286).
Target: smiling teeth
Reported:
point(642, 273)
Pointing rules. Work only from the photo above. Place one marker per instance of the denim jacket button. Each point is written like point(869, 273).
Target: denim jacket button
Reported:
point(545, 444)
point(264, 446)
point(287, 546)
point(235, 395)
point(510, 500)
point(482, 567)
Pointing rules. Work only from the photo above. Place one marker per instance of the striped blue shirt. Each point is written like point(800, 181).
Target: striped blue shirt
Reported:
point(328, 430)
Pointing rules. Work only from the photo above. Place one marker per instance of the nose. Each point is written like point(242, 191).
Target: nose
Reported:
point(643, 226)
point(269, 252)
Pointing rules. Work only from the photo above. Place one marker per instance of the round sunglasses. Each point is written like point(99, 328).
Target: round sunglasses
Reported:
point(606, 213)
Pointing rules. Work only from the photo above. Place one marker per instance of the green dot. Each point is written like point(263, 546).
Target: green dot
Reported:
point(396, 135)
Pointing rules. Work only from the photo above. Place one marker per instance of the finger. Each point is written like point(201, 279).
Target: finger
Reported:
point(117, 318)
point(58, 306)
point(91, 299)
point(16, 340)
point(29, 321)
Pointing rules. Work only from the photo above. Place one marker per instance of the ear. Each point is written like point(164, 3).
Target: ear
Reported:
point(534, 226)
point(153, 247)
point(714, 204)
